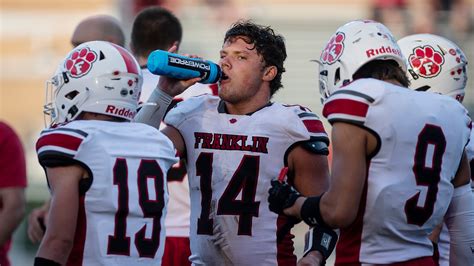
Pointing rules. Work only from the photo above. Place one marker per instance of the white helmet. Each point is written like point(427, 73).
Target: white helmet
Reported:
point(98, 77)
point(352, 46)
point(435, 64)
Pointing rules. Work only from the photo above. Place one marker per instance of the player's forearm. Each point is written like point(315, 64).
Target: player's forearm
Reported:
point(153, 111)
point(313, 258)
point(460, 222)
point(330, 215)
point(335, 213)
point(10, 217)
point(55, 248)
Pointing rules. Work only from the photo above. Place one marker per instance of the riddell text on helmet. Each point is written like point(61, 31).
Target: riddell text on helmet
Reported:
point(383, 50)
point(124, 112)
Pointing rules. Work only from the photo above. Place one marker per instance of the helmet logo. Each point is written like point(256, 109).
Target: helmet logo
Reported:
point(427, 61)
point(333, 49)
point(80, 62)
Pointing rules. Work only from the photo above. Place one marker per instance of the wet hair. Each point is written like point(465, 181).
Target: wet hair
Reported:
point(269, 45)
point(383, 70)
point(154, 28)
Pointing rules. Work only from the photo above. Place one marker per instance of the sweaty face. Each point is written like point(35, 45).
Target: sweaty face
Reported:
point(242, 71)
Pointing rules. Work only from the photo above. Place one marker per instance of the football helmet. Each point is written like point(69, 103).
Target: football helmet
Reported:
point(435, 64)
point(352, 46)
point(98, 77)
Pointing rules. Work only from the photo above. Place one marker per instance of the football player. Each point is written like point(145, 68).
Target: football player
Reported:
point(107, 177)
point(233, 143)
point(399, 163)
point(93, 28)
point(436, 64)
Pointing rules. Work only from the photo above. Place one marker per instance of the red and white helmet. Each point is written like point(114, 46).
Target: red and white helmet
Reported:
point(98, 77)
point(352, 46)
point(435, 64)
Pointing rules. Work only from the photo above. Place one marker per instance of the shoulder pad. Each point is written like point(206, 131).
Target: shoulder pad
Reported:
point(317, 146)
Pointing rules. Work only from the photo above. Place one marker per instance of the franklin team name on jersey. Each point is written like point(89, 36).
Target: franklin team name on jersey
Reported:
point(408, 187)
point(231, 161)
point(123, 202)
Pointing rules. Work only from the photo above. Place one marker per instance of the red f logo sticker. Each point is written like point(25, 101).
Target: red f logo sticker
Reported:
point(333, 49)
point(427, 61)
point(80, 62)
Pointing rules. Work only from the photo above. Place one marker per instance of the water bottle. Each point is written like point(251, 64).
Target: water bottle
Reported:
point(181, 67)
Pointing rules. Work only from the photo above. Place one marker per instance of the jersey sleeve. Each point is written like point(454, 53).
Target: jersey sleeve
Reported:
point(59, 146)
point(347, 106)
point(313, 127)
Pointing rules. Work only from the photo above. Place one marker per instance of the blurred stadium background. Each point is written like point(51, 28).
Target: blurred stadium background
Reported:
point(35, 36)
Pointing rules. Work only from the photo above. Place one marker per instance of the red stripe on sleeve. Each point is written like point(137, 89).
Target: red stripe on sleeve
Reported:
point(345, 106)
point(314, 126)
point(59, 140)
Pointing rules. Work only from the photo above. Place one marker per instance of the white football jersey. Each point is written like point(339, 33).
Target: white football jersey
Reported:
point(443, 241)
point(177, 219)
point(408, 189)
point(123, 203)
point(231, 161)
point(470, 157)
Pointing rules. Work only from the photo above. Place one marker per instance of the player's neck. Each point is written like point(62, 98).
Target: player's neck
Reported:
point(100, 117)
point(393, 81)
point(248, 106)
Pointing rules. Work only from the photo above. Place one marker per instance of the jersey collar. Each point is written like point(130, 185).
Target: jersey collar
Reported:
point(222, 109)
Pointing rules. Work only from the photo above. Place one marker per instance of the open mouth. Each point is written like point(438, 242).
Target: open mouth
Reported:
point(224, 76)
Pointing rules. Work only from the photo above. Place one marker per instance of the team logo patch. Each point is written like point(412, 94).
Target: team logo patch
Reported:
point(333, 49)
point(80, 62)
point(427, 60)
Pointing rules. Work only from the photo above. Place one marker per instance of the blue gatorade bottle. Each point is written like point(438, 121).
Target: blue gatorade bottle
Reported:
point(181, 67)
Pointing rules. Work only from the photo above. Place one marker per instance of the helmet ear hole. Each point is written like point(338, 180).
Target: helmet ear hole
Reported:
point(73, 111)
point(71, 95)
point(337, 76)
point(423, 88)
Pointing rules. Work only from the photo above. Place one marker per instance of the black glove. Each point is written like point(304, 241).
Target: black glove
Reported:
point(281, 196)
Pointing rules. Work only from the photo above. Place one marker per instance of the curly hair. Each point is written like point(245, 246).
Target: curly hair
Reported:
point(269, 45)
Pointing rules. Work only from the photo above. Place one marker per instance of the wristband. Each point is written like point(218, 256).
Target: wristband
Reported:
point(310, 212)
point(153, 111)
point(45, 262)
point(322, 239)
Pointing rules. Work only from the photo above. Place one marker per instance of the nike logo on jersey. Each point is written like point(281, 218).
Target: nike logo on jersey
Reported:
point(218, 141)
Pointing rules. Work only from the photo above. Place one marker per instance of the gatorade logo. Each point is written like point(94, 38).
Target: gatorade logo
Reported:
point(191, 63)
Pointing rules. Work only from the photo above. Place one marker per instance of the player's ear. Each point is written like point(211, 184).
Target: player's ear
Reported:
point(269, 73)
point(176, 43)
